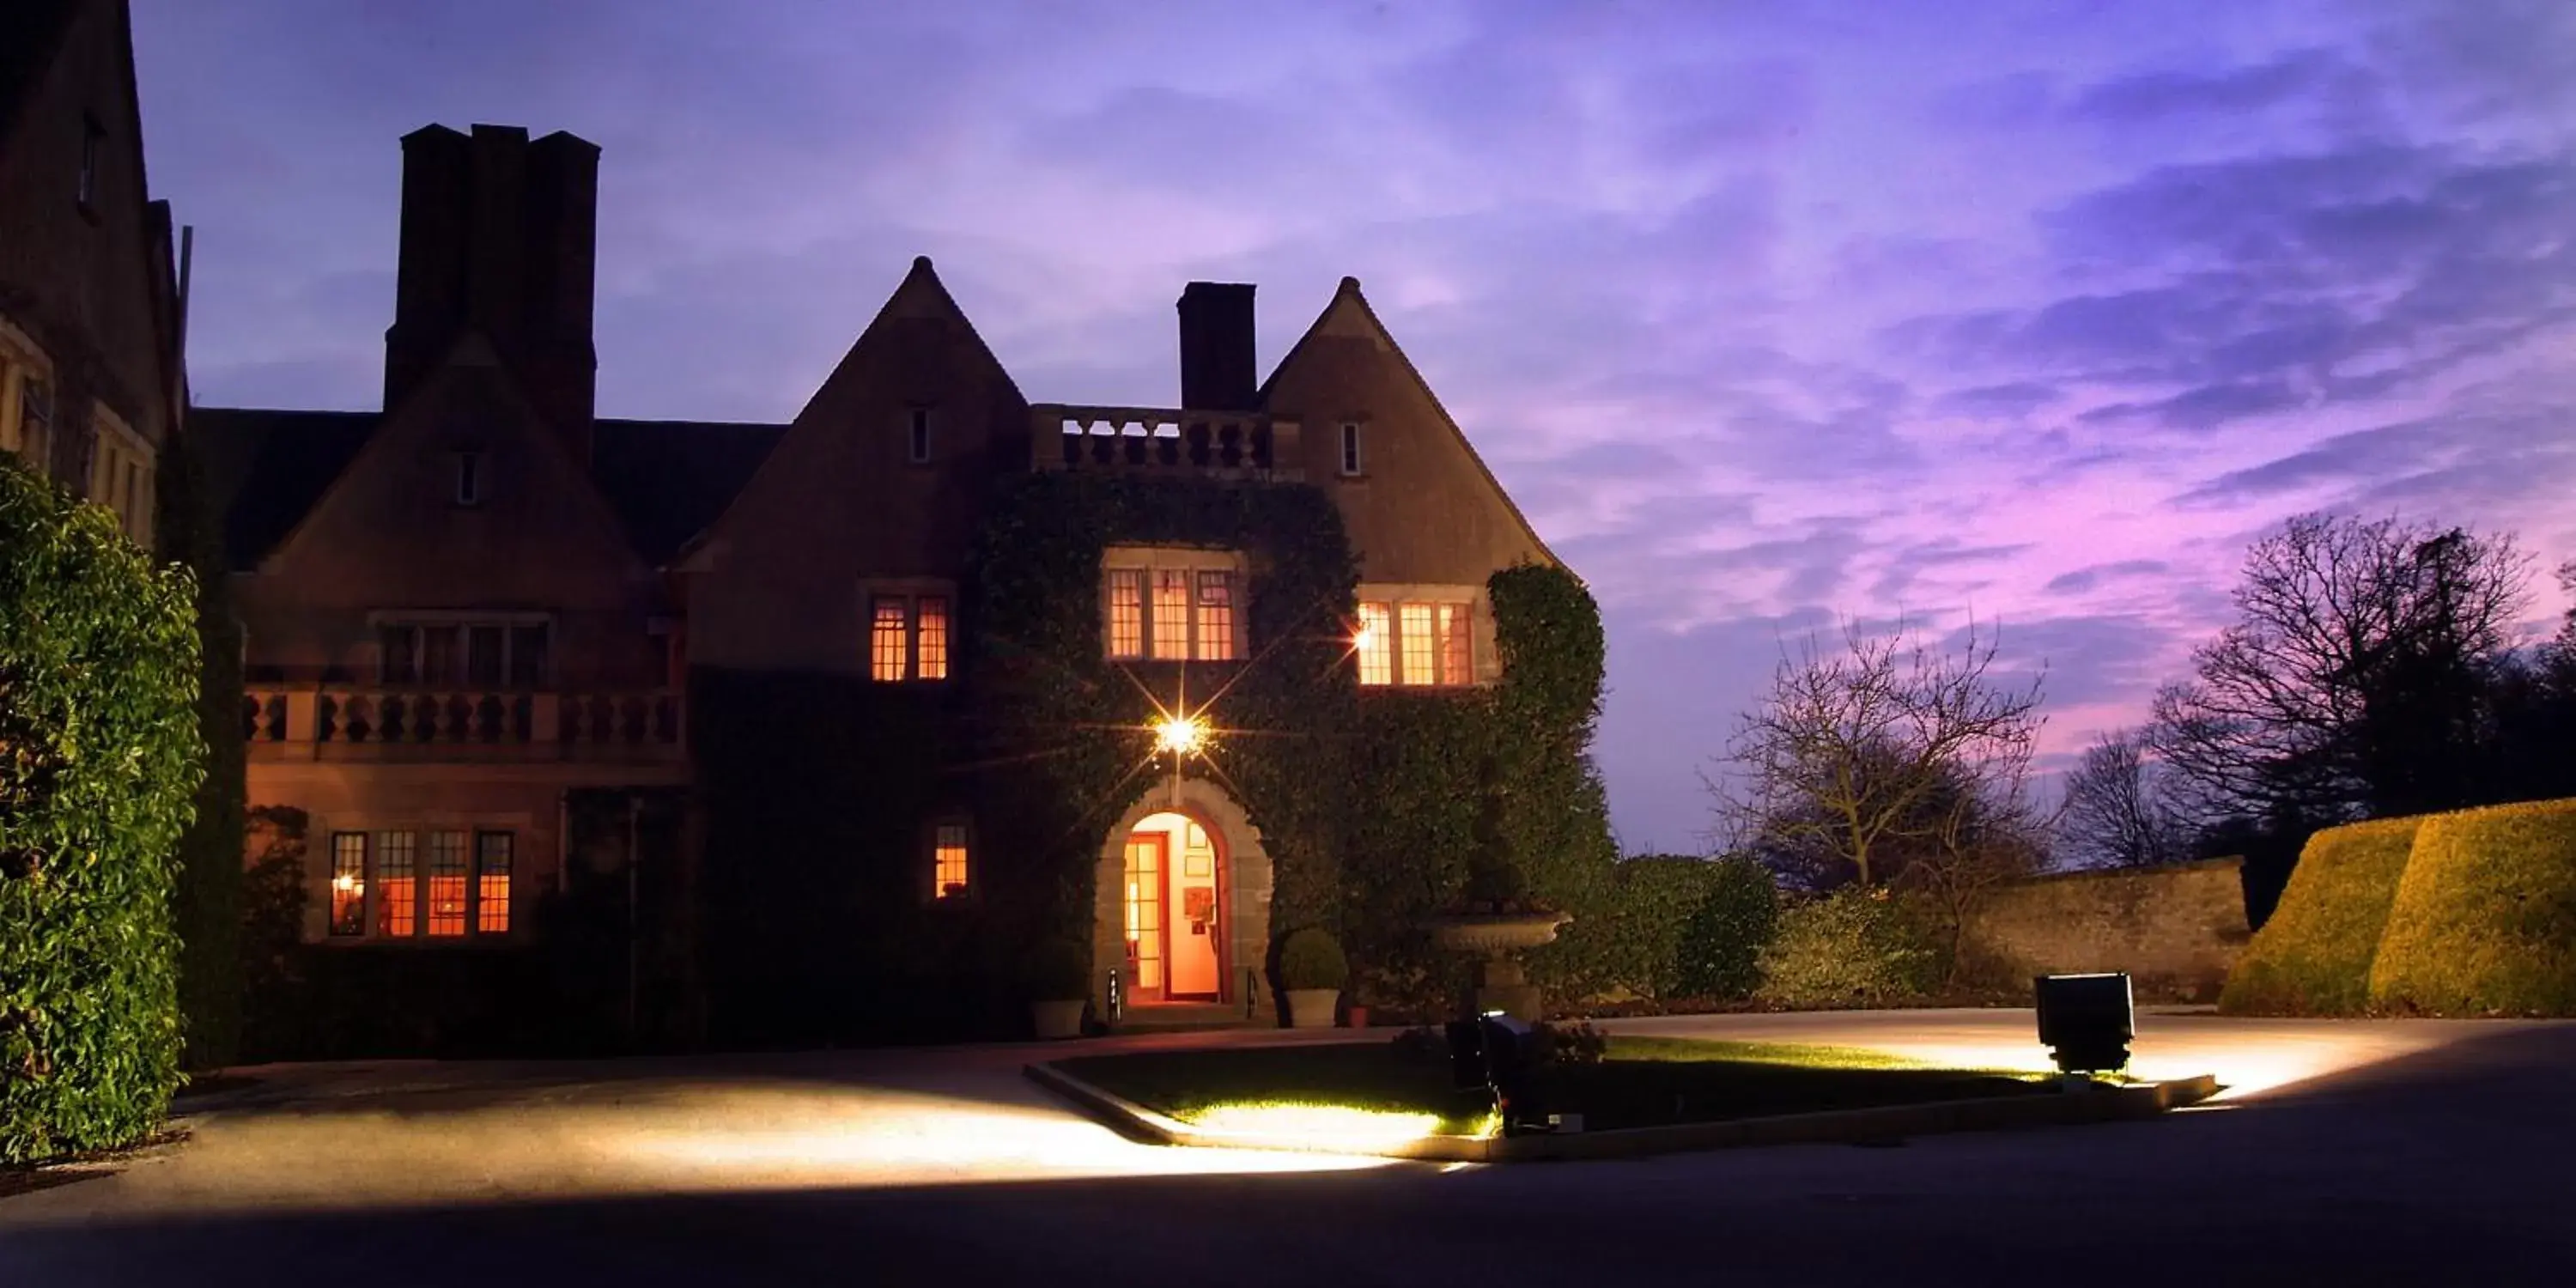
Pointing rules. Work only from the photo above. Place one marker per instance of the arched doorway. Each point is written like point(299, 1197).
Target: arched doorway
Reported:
point(1182, 910)
point(1173, 919)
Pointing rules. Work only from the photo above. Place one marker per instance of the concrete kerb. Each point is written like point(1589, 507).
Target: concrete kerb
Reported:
point(1844, 1126)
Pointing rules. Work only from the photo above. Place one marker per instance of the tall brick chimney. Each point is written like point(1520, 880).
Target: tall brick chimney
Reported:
point(1216, 347)
point(498, 237)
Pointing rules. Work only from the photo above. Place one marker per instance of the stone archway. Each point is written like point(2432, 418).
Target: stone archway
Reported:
point(1245, 884)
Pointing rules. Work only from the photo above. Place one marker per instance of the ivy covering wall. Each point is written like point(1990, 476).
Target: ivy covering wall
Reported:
point(99, 758)
point(819, 789)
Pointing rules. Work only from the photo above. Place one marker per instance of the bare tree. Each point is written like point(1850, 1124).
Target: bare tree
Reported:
point(1985, 831)
point(1848, 755)
point(2116, 811)
point(2352, 680)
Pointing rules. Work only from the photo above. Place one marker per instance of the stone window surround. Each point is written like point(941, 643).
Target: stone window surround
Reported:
point(1191, 559)
point(1484, 659)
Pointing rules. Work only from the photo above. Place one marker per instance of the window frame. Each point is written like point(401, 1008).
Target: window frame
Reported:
point(916, 662)
point(939, 832)
point(85, 191)
point(470, 491)
point(461, 626)
point(918, 428)
point(370, 919)
point(1351, 457)
point(1148, 567)
point(1445, 638)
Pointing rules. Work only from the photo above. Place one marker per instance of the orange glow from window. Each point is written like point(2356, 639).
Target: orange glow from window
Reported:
point(1375, 645)
point(886, 643)
point(948, 860)
point(1126, 612)
point(933, 644)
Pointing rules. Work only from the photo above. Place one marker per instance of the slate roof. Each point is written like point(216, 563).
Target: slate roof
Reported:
point(665, 479)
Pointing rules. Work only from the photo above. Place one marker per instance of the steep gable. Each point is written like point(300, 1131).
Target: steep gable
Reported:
point(840, 501)
point(388, 530)
point(1425, 508)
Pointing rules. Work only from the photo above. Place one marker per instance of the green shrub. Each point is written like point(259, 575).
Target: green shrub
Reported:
point(2484, 922)
point(99, 759)
point(1854, 947)
point(2313, 956)
point(1719, 953)
point(1057, 970)
point(1312, 959)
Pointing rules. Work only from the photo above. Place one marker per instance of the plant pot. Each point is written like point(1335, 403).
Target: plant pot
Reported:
point(1055, 1020)
point(1356, 1016)
point(1312, 1008)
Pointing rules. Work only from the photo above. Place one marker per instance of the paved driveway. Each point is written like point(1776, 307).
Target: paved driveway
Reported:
point(2399, 1152)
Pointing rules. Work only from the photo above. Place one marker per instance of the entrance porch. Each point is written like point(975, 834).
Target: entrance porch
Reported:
point(1181, 918)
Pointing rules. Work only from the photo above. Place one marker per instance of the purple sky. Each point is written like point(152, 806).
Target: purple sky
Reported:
point(1765, 312)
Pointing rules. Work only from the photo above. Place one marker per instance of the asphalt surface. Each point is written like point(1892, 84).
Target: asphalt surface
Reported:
point(2369, 1152)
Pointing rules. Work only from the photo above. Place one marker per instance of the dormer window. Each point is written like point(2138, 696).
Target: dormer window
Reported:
point(469, 478)
point(917, 435)
point(1350, 447)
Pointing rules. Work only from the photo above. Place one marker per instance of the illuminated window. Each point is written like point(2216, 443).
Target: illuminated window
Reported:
point(1413, 642)
point(910, 637)
point(888, 639)
point(348, 883)
point(1174, 606)
point(1171, 619)
point(1126, 612)
point(1422, 643)
point(447, 889)
point(492, 883)
point(1376, 645)
point(948, 860)
point(1216, 617)
point(397, 876)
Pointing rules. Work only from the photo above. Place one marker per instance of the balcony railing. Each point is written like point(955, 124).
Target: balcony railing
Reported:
point(376, 723)
point(1154, 440)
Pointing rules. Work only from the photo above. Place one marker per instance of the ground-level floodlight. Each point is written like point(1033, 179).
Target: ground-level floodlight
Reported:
point(1500, 1054)
point(2086, 1021)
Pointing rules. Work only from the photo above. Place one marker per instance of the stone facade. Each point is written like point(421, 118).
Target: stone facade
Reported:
point(2176, 929)
point(89, 310)
point(382, 557)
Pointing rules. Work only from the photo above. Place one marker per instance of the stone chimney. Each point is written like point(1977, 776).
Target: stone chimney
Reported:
point(498, 237)
point(1216, 347)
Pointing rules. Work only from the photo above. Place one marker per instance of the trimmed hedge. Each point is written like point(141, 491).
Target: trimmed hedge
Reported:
point(1855, 947)
point(2484, 922)
point(99, 758)
point(2313, 957)
point(1674, 927)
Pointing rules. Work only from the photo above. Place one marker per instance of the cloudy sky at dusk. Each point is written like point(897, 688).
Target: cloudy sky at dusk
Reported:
point(1767, 313)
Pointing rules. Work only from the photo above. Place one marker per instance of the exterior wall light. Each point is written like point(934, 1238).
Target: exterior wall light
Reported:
point(2086, 1021)
point(1179, 735)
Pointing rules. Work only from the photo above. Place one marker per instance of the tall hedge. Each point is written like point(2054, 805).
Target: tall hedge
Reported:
point(99, 758)
point(2484, 922)
point(2313, 957)
point(207, 910)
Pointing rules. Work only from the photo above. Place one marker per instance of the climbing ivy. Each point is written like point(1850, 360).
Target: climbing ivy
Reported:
point(1368, 803)
point(99, 757)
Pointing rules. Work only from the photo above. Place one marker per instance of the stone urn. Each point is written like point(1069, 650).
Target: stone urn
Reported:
point(1497, 939)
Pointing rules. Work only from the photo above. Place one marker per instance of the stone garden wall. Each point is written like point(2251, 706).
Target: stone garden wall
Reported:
point(2175, 929)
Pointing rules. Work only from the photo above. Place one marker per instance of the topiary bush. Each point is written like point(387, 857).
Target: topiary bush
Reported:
point(2313, 957)
point(99, 759)
point(1312, 959)
point(1855, 947)
point(1719, 951)
point(2484, 922)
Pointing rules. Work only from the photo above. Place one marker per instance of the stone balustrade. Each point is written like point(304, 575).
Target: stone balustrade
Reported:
point(344, 722)
point(1222, 444)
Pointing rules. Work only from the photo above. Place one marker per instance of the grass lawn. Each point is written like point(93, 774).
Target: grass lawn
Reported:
point(1641, 1082)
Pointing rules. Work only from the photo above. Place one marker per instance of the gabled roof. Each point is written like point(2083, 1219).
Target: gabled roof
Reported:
point(1348, 296)
point(664, 479)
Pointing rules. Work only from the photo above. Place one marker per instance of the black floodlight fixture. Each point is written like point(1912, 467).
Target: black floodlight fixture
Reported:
point(2086, 1020)
point(1500, 1054)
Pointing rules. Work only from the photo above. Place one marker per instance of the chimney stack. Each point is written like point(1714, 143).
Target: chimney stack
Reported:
point(498, 237)
point(1216, 347)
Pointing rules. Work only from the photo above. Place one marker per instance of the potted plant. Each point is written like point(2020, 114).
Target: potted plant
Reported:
point(1058, 975)
point(1312, 971)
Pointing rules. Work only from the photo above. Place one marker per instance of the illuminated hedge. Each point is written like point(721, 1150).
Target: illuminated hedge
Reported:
point(99, 758)
point(2484, 922)
point(2314, 956)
